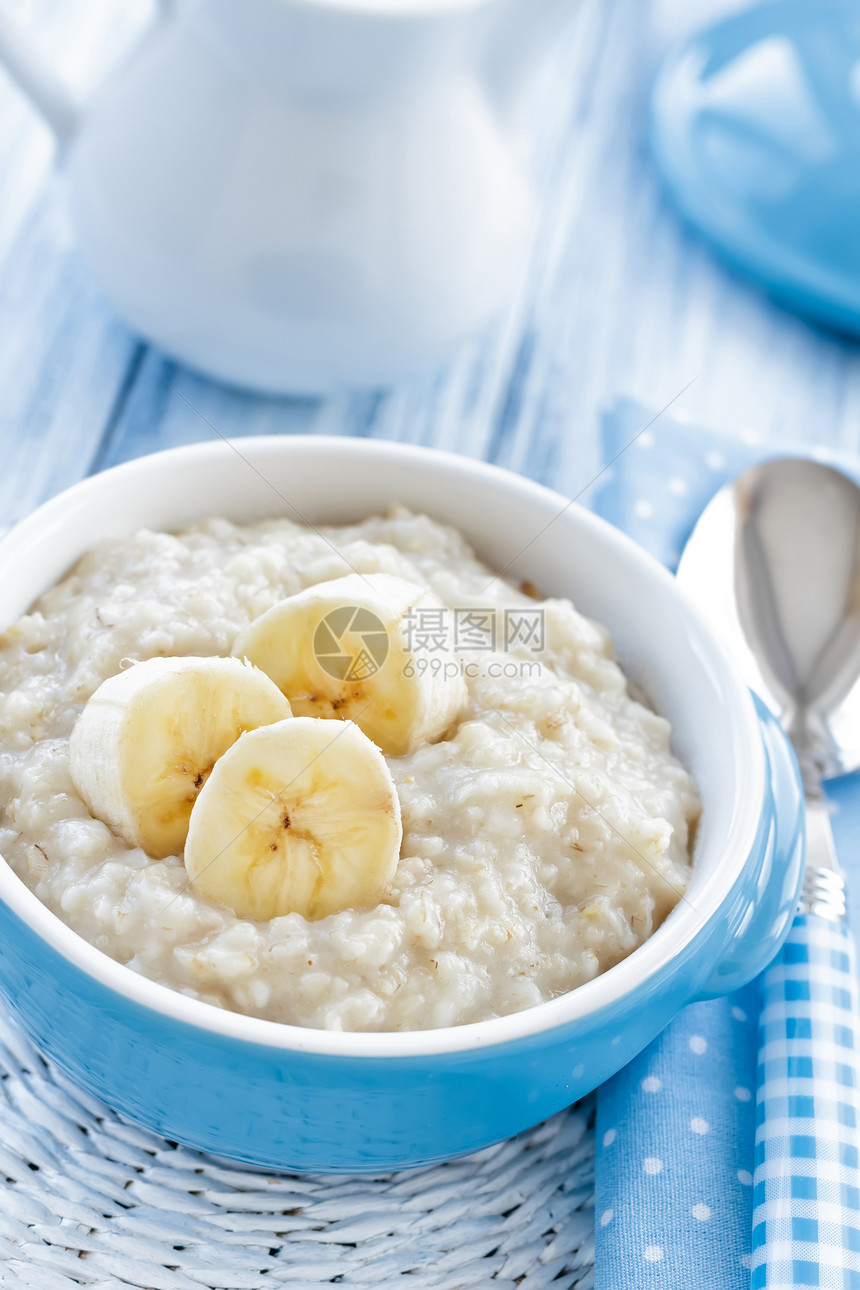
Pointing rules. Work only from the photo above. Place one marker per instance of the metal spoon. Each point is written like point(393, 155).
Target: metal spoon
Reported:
point(774, 563)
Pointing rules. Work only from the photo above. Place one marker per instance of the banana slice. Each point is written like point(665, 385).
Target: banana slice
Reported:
point(342, 649)
point(146, 742)
point(301, 816)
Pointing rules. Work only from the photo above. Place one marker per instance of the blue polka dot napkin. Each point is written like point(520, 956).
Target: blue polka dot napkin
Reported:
point(675, 1141)
point(676, 1128)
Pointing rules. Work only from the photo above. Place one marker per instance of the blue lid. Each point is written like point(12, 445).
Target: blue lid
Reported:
point(756, 127)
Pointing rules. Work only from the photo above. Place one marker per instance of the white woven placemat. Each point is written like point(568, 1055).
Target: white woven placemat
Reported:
point(87, 1199)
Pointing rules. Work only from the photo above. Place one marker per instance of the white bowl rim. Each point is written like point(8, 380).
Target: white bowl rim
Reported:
point(677, 931)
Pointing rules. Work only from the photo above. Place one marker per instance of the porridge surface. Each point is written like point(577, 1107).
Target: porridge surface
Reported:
point(542, 842)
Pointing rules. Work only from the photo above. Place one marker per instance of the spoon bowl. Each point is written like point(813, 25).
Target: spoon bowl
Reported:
point(774, 562)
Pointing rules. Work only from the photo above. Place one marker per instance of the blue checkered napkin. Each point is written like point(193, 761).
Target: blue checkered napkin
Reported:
point(806, 1218)
point(689, 1223)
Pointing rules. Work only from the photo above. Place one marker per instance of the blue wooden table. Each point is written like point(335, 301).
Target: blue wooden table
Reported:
point(619, 299)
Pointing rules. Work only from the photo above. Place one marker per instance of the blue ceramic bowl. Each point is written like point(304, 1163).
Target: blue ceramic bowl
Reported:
point(291, 1098)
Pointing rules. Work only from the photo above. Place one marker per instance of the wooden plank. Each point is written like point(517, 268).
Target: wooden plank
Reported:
point(63, 359)
point(619, 298)
point(63, 354)
point(170, 405)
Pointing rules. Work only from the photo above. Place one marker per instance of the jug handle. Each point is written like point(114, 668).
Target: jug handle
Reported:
point(49, 96)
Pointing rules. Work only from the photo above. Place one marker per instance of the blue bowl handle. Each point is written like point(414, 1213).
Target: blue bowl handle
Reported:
point(761, 909)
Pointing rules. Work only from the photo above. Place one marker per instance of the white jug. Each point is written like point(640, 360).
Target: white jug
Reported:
point(296, 194)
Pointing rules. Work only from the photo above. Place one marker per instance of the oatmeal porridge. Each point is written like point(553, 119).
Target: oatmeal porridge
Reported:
point(544, 826)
